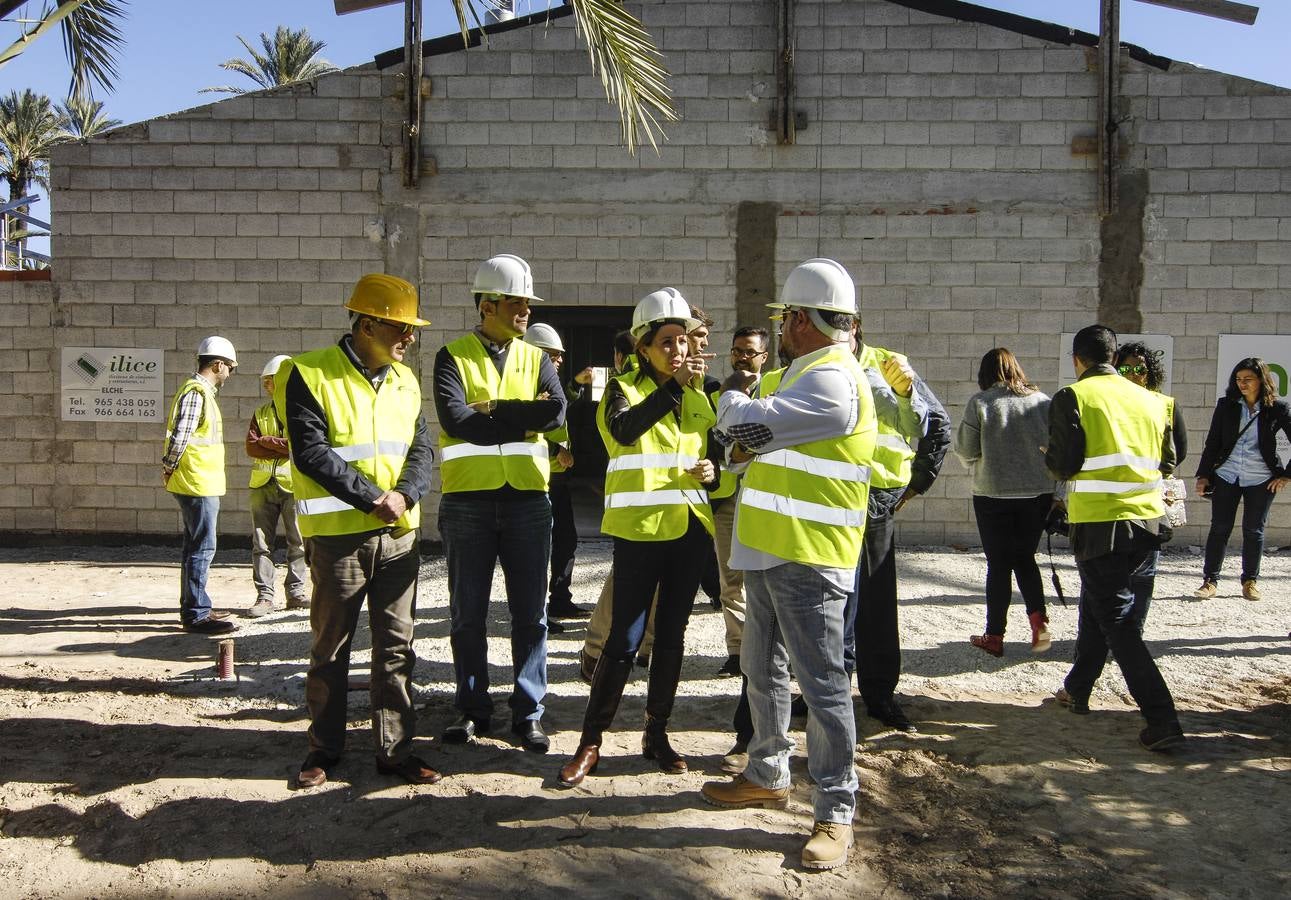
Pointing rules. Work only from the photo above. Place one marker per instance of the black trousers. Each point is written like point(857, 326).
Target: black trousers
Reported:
point(564, 540)
point(1010, 530)
point(870, 617)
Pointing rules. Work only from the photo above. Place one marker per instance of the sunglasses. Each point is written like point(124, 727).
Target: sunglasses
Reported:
point(1133, 370)
point(397, 326)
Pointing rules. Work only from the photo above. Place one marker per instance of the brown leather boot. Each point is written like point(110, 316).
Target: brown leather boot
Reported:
point(608, 682)
point(665, 673)
point(582, 764)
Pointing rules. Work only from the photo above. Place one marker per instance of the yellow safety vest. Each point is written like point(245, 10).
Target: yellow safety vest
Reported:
point(807, 503)
point(729, 482)
point(892, 452)
point(558, 436)
point(1124, 426)
point(264, 470)
point(485, 467)
point(648, 495)
point(372, 430)
point(200, 471)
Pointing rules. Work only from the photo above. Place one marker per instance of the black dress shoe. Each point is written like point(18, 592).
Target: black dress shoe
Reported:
point(643, 660)
point(313, 771)
point(890, 713)
point(1161, 737)
point(798, 707)
point(464, 729)
point(554, 627)
point(730, 668)
point(412, 769)
point(531, 735)
point(567, 610)
point(210, 625)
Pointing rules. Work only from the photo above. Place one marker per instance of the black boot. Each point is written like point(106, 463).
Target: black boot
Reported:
point(665, 673)
point(608, 681)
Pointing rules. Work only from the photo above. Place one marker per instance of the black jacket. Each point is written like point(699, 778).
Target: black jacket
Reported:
point(1226, 423)
point(930, 452)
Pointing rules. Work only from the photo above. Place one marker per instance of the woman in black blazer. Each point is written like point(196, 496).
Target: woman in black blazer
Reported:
point(1240, 463)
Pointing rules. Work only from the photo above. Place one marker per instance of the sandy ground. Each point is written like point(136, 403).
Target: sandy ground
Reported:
point(128, 771)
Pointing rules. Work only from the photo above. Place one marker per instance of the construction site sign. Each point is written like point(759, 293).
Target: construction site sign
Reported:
point(117, 384)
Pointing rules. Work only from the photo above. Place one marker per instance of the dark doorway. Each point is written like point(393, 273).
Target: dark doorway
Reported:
point(588, 335)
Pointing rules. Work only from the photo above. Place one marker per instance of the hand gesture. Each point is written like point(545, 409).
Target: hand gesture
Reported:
point(740, 381)
point(899, 375)
point(703, 471)
point(584, 377)
point(1203, 485)
point(390, 506)
point(564, 457)
point(692, 369)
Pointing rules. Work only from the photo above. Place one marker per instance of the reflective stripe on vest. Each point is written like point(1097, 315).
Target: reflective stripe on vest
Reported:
point(1124, 426)
point(485, 467)
point(371, 429)
point(892, 452)
point(200, 470)
point(648, 495)
point(807, 503)
point(263, 470)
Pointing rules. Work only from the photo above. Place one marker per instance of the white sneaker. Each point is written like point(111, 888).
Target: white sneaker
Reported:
point(828, 845)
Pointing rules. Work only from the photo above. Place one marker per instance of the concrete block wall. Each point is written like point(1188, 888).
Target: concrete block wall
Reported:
point(936, 162)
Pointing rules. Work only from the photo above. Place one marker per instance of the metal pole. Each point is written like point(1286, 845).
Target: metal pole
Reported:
point(412, 93)
point(1109, 80)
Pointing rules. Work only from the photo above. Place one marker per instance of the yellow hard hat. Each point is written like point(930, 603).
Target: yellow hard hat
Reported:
point(385, 297)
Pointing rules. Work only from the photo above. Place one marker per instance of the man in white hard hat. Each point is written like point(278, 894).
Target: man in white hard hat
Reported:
point(271, 500)
point(564, 533)
point(361, 462)
point(192, 468)
point(496, 397)
point(799, 526)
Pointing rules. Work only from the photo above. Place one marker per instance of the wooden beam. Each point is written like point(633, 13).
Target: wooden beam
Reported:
point(349, 6)
point(1242, 13)
point(1109, 82)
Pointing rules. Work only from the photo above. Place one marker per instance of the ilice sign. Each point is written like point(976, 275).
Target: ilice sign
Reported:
point(118, 384)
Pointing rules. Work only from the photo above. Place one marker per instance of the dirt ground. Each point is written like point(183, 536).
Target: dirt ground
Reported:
point(129, 771)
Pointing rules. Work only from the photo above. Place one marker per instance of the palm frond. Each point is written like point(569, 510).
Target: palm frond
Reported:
point(84, 117)
point(92, 40)
point(287, 57)
point(630, 68)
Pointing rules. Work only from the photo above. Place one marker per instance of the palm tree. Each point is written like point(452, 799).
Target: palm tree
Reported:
point(83, 117)
point(288, 57)
point(91, 36)
point(29, 129)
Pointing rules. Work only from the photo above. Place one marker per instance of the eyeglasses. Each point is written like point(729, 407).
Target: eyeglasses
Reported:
point(400, 327)
point(1133, 370)
point(740, 353)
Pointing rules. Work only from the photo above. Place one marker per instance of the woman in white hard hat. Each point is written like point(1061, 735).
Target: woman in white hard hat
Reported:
point(655, 423)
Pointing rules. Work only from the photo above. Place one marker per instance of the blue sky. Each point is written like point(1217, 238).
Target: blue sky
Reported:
point(170, 57)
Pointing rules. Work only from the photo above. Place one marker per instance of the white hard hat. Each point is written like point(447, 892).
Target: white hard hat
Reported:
point(271, 367)
point(506, 274)
point(665, 303)
point(218, 346)
point(544, 337)
point(818, 284)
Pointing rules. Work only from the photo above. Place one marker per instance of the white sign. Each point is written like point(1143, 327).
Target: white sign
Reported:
point(1162, 342)
point(118, 384)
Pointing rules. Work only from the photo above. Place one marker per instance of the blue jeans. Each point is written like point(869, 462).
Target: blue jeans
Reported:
point(200, 515)
point(478, 533)
point(1256, 500)
point(795, 617)
point(1111, 619)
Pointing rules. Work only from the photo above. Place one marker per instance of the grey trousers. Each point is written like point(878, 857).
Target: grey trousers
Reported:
point(348, 569)
point(269, 503)
point(732, 579)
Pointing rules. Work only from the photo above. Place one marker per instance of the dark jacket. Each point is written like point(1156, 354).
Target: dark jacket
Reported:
point(1226, 423)
point(930, 452)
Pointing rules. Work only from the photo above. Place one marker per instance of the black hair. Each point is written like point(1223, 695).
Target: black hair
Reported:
point(834, 319)
point(1268, 390)
point(204, 361)
point(752, 331)
point(624, 343)
point(1151, 359)
point(1094, 345)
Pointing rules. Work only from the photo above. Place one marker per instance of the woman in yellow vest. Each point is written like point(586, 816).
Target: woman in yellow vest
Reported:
point(655, 424)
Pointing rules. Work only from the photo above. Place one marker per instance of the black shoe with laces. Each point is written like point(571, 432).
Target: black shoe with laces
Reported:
point(890, 713)
point(730, 668)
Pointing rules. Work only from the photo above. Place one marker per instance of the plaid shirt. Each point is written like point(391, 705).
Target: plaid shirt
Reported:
point(191, 410)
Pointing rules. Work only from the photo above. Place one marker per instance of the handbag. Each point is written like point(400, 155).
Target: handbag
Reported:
point(1173, 492)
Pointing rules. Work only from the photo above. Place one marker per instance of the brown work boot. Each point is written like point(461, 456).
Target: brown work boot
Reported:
point(828, 845)
point(740, 793)
point(991, 643)
point(1207, 591)
point(583, 763)
point(1250, 590)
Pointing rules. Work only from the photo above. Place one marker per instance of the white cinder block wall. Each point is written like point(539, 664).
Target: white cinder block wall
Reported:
point(945, 162)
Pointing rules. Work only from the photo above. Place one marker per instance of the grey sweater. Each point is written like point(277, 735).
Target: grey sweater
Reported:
point(1000, 440)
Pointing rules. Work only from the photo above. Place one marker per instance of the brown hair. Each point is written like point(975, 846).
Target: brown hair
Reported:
point(1260, 369)
point(1000, 366)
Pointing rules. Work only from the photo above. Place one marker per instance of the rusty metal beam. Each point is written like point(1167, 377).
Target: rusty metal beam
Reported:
point(1109, 82)
point(412, 92)
point(785, 120)
point(1242, 13)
